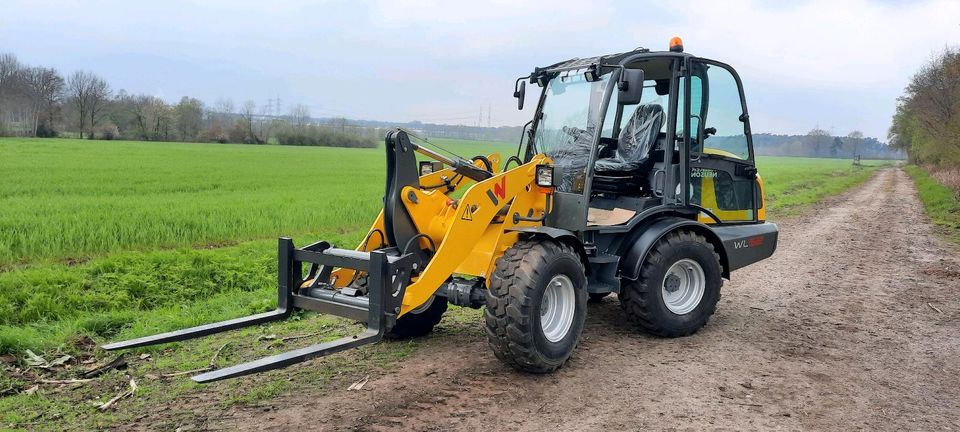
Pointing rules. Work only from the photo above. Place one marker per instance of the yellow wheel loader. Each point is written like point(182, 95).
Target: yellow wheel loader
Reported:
point(635, 176)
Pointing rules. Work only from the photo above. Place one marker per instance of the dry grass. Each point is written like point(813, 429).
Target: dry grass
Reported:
point(947, 176)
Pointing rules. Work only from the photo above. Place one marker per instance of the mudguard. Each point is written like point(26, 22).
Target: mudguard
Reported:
point(747, 244)
point(554, 233)
point(557, 234)
point(632, 260)
point(737, 245)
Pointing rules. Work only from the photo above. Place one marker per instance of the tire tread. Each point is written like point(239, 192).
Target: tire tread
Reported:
point(636, 298)
point(509, 307)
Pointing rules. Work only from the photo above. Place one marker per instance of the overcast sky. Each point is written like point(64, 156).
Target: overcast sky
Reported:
point(836, 64)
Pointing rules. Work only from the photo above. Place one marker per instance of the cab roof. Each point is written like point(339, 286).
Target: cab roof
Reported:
point(604, 62)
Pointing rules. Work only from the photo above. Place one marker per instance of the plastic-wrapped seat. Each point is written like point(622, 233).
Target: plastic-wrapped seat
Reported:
point(623, 173)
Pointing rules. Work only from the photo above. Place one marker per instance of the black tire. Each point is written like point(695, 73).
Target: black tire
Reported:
point(643, 299)
point(598, 297)
point(512, 312)
point(416, 324)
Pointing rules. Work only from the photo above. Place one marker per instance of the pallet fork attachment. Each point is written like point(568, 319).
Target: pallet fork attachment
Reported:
point(388, 276)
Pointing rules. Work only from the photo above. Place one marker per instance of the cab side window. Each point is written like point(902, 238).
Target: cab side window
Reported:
point(724, 132)
point(720, 150)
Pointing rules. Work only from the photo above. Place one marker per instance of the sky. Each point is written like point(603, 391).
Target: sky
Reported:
point(836, 64)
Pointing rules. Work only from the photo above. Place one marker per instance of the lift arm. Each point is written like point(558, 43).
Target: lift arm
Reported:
point(466, 223)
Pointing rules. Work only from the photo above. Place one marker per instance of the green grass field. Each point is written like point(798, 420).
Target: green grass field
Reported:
point(110, 240)
point(792, 183)
point(71, 199)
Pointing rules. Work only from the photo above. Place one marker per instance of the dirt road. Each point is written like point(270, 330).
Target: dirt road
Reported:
point(838, 331)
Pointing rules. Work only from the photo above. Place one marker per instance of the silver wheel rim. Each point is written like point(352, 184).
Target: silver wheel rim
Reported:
point(683, 286)
point(557, 307)
point(424, 306)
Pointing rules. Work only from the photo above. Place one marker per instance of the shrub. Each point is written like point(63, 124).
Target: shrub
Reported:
point(107, 131)
point(214, 133)
point(45, 130)
point(242, 133)
point(313, 135)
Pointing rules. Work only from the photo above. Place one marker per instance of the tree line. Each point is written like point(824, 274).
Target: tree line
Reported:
point(821, 143)
point(926, 124)
point(37, 101)
point(40, 101)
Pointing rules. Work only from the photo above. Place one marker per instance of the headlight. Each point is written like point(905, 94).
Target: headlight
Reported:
point(429, 167)
point(545, 175)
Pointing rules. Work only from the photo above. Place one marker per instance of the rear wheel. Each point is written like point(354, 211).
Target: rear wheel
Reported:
point(536, 305)
point(678, 288)
point(420, 321)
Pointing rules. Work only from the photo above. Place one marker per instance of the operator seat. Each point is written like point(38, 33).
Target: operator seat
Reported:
point(623, 173)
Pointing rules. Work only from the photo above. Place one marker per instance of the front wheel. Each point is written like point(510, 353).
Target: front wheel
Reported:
point(536, 305)
point(678, 288)
point(420, 321)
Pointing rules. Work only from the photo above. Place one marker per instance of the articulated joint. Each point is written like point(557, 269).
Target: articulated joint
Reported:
point(465, 293)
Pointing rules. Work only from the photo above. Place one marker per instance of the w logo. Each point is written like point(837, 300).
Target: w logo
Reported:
point(499, 191)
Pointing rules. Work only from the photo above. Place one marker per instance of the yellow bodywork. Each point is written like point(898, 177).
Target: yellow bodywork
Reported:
point(708, 197)
point(708, 200)
point(478, 223)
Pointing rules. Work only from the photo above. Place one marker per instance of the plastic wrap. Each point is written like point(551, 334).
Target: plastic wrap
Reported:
point(570, 158)
point(637, 137)
point(567, 126)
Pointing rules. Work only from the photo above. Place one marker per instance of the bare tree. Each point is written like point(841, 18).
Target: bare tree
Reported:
point(163, 119)
point(10, 70)
point(99, 96)
point(45, 87)
point(223, 108)
point(300, 114)
point(819, 140)
point(189, 118)
point(78, 87)
point(139, 106)
point(247, 114)
point(89, 93)
point(853, 141)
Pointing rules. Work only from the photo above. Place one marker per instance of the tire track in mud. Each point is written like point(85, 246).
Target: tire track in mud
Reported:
point(832, 333)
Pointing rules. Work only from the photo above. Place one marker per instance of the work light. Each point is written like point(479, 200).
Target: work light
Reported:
point(591, 74)
point(429, 167)
point(545, 175)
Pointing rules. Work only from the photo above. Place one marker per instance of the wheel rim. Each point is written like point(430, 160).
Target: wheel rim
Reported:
point(557, 308)
point(424, 306)
point(683, 286)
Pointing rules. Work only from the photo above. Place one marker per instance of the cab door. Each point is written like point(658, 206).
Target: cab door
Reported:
point(722, 171)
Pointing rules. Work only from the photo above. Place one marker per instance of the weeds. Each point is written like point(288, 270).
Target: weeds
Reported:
point(941, 202)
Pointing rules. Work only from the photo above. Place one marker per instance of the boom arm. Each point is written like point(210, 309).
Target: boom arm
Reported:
point(466, 222)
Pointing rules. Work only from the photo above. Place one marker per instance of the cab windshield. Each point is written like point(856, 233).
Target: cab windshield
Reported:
point(571, 114)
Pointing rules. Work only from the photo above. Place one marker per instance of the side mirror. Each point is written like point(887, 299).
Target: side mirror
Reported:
point(630, 86)
point(519, 93)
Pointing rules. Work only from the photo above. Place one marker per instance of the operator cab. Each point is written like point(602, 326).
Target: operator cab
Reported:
point(615, 125)
point(634, 136)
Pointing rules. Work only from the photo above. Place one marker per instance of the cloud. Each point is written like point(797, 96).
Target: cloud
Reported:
point(804, 63)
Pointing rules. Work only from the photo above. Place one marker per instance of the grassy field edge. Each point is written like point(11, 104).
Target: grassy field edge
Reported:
point(940, 202)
